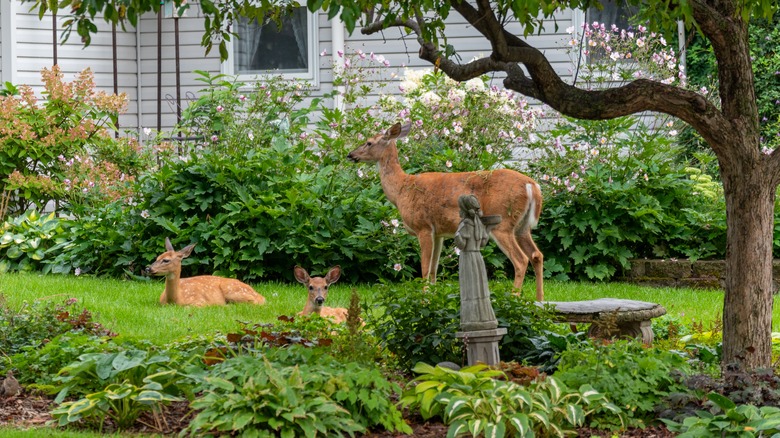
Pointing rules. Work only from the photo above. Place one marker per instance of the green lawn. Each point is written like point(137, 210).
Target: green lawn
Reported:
point(131, 308)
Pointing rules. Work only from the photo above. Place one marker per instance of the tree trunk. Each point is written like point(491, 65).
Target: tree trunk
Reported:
point(747, 308)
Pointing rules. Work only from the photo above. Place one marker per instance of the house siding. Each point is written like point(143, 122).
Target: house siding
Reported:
point(138, 71)
point(34, 51)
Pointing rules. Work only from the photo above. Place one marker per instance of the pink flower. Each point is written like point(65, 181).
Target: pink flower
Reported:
point(397, 266)
point(220, 108)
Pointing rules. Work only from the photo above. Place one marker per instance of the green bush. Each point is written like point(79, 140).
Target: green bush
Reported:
point(473, 402)
point(633, 377)
point(294, 392)
point(26, 239)
point(33, 325)
point(613, 194)
point(419, 321)
point(728, 419)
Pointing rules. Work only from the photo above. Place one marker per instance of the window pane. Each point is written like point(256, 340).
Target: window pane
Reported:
point(264, 47)
point(615, 12)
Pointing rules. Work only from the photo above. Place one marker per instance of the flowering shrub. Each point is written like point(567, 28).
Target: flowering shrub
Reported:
point(40, 141)
point(621, 55)
point(459, 126)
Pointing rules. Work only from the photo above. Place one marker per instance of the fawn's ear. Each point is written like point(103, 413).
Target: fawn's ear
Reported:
point(333, 275)
point(168, 246)
point(187, 250)
point(301, 275)
point(393, 132)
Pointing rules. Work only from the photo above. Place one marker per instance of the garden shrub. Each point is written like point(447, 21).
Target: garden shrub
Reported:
point(419, 321)
point(474, 401)
point(633, 377)
point(26, 241)
point(61, 149)
point(294, 392)
point(613, 194)
point(33, 325)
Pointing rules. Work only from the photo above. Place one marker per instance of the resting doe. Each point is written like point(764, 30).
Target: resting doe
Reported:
point(318, 292)
point(202, 290)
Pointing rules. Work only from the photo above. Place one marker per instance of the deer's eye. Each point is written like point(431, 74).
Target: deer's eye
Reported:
point(369, 143)
point(326, 287)
point(166, 260)
point(311, 287)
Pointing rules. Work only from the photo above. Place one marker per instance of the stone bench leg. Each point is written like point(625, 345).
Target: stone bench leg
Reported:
point(631, 329)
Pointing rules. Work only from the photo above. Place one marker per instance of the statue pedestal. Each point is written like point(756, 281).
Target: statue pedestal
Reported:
point(482, 345)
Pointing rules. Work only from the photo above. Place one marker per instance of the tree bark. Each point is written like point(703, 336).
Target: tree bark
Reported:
point(747, 307)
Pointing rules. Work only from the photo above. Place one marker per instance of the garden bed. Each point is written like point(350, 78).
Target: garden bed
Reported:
point(32, 411)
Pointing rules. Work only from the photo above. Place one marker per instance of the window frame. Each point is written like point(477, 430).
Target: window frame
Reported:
point(312, 76)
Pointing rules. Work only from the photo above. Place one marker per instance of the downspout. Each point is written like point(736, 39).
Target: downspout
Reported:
point(54, 36)
point(338, 45)
point(8, 46)
point(139, 82)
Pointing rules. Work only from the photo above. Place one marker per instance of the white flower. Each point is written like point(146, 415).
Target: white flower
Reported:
point(77, 271)
point(570, 30)
point(475, 84)
point(673, 132)
point(456, 95)
point(251, 135)
point(394, 222)
point(457, 251)
point(145, 214)
point(448, 163)
point(148, 131)
point(430, 98)
point(324, 52)
point(360, 173)
point(397, 266)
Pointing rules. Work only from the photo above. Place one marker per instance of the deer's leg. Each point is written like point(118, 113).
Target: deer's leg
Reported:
point(425, 237)
point(537, 260)
point(438, 242)
point(509, 246)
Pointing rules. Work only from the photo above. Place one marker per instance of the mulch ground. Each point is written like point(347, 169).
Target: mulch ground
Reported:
point(27, 411)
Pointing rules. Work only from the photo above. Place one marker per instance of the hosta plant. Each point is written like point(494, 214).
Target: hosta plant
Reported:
point(473, 402)
point(25, 239)
point(122, 402)
point(729, 419)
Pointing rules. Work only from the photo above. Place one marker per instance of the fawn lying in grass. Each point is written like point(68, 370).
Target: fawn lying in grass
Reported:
point(202, 290)
point(318, 292)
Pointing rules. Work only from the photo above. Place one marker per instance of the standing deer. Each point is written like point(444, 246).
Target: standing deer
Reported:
point(202, 290)
point(428, 204)
point(318, 292)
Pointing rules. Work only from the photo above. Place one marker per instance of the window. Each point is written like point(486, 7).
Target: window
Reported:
point(266, 48)
point(615, 12)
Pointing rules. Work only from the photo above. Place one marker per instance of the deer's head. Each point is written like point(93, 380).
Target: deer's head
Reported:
point(374, 148)
point(317, 286)
point(169, 262)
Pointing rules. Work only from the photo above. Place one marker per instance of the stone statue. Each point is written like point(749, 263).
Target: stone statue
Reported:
point(476, 310)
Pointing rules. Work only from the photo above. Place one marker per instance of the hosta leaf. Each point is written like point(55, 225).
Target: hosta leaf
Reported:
point(456, 429)
point(497, 430)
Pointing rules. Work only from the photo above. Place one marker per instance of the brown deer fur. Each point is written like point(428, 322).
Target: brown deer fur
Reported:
point(428, 205)
point(202, 290)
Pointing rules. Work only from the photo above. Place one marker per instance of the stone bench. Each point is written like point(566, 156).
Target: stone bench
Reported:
point(610, 317)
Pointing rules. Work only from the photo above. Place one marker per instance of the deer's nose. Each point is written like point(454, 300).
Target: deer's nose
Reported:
point(319, 300)
point(148, 270)
point(352, 157)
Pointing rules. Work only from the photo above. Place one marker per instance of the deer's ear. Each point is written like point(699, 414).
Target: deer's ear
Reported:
point(168, 246)
point(333, 275)
point(405, 130)
point(301, 275)
point(393, 132)
point(187, 250)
